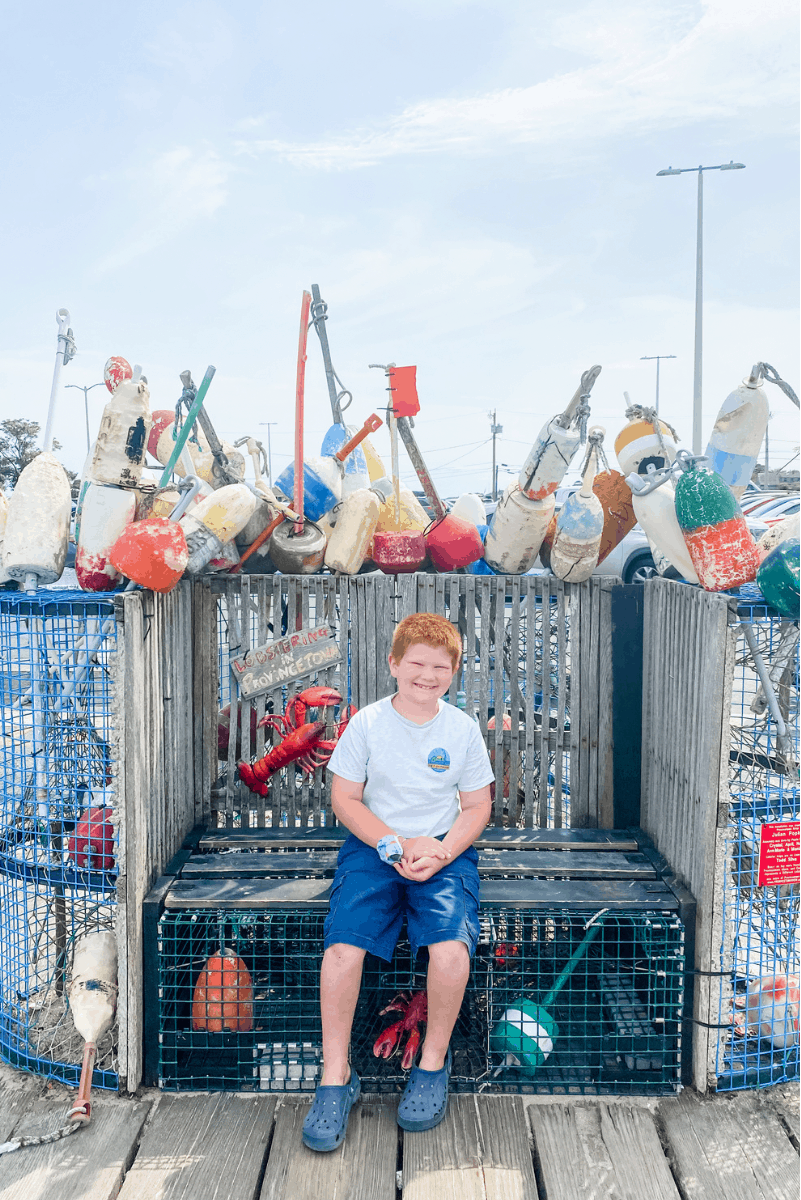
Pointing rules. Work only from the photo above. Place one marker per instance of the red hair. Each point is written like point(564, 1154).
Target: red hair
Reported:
point(427, 629)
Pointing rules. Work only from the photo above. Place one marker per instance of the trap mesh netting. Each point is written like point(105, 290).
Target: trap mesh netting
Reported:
point(238, 997)
point(58, 828)
point(758, 995)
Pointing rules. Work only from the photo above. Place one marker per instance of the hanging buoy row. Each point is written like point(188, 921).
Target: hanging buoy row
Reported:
point(193, 510)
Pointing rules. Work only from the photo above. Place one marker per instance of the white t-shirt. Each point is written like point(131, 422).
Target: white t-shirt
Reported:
point(413, 773)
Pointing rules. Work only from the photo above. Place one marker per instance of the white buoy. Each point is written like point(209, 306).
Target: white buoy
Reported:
point(92, 992)
point(579, 526)
point(656, 513)
point(217, 519)
point(551, 454)
point(106, 512)
point(38, 523)
point(122, 438)
point(356, 522)
point(645, 441)
point(4, 577)
point(782, 531)
point(470, 507)
point(516, 531)
point(738, 434)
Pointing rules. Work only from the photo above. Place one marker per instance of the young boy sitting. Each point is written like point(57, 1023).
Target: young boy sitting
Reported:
point(415, 768)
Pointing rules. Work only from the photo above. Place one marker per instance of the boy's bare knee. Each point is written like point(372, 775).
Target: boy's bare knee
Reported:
point(343, 955)
point(450, 958)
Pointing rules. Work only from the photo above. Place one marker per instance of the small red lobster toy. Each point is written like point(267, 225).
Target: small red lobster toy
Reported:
point(415, 1014)
point(303, 741)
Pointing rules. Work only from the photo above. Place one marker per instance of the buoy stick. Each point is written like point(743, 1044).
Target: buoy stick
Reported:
point(259, 541)
point(426, 482)
point(372, 423)
point(187, 426)
point(82, 1107)
point(300, 389)
point(63, 355)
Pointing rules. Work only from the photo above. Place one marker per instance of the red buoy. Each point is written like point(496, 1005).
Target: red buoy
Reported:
point(162, 418)
point(116, 370)
point(153, 553)
point(399, 553)
point(92, 844)
point(453, 543)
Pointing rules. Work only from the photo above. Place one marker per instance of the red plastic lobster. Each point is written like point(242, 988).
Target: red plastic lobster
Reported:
point(415, 1013)
point(303, 741)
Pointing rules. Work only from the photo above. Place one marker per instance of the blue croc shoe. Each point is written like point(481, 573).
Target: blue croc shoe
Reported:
point(327, 1119)
point(425, 1099)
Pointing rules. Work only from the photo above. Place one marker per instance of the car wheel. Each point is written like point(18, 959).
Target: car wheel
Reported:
point(640, 569)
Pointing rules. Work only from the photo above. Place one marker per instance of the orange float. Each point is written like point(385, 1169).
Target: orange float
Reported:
point(153, 553)
point(619, 517)
point(223, 996)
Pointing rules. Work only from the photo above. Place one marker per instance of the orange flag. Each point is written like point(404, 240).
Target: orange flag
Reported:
point(403, 381)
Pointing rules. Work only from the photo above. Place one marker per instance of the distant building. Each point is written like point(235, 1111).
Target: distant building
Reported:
point(787, 480)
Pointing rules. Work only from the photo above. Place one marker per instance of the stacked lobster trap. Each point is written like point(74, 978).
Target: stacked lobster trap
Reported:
point(58, 819)
point(237, 996)
point(757, 998)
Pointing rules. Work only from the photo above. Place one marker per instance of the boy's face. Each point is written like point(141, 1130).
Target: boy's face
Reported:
point(424, 674)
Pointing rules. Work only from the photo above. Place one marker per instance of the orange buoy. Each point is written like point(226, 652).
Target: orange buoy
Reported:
point(153, 553)
point(722, 549)
point(223, 995)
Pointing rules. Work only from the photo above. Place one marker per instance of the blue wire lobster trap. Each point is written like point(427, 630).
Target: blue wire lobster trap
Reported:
point(758, 1000)
point(58, 823)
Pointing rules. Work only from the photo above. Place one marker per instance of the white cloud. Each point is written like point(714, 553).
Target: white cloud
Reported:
point(175, 190)
point(649, 69)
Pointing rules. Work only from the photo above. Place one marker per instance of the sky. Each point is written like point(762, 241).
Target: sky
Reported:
point(472, 183)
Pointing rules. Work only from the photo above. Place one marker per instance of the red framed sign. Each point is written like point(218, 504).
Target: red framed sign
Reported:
point(778, 853)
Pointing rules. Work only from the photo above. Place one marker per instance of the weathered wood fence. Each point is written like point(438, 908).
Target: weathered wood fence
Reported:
point(536, 675)
point(689, 640)
point(155, 781)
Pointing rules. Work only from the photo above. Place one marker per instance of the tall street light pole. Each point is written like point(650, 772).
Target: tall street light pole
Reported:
point(85, 391)
point(699, 260)
point(650, 358)
point(496, 429)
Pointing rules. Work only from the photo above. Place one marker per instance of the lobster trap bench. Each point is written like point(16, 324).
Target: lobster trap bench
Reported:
point(263, 894)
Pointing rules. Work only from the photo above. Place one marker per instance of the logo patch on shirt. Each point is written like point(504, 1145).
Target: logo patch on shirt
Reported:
point(439, 759)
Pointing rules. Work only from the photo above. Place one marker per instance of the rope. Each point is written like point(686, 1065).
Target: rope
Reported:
point(595, 440)
point(772, 375)
point(42, 1139)
point(639, 412)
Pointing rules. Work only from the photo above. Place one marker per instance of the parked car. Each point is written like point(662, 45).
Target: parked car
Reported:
point(777, 509)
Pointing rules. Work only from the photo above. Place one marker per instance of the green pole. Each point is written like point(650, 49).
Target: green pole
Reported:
point(570, 966)
point(186, 429)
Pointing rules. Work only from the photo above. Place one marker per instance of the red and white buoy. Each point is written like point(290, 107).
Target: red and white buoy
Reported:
point(106, 512)
point(92, 992)
point(720, 543)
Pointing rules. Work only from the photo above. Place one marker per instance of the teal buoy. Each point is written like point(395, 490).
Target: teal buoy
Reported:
point(721, 547)
point(779, 578)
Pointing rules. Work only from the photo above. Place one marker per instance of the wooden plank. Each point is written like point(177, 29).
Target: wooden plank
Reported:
point(14, 1103)
point(561, 704)
point(497, 605)
point(519, 839)
point(593, 714)
point(505, 1152)
point(543, 683)
point(518, 704)
point(600, 1150)
point(88, 1165)
point(363, 1168)
point(606, 798)
point(136, 815)
point(446, 1162)
point(202, 1148)
point(252, 893)
point(564, 864)
point(728, 1149)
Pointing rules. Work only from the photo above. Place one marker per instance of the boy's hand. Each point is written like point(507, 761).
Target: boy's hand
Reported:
point(424, 847)
point(421, 869)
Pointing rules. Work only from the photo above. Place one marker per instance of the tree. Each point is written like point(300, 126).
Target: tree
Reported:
point(17, 448)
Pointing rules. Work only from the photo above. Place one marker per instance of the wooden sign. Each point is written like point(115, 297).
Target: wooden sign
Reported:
point(298, 654)
point(778, 853)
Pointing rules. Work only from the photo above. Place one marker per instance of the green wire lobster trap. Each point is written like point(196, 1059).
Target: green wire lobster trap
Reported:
point(618, 1014)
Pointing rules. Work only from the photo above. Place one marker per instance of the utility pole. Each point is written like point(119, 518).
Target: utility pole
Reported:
point(650, 358)
point(269, 451)
point(495, 430)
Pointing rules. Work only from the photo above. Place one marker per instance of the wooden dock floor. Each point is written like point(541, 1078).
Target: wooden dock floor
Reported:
point(244, 1147)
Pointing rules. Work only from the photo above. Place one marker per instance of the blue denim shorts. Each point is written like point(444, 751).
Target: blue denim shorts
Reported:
point(369, 901)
